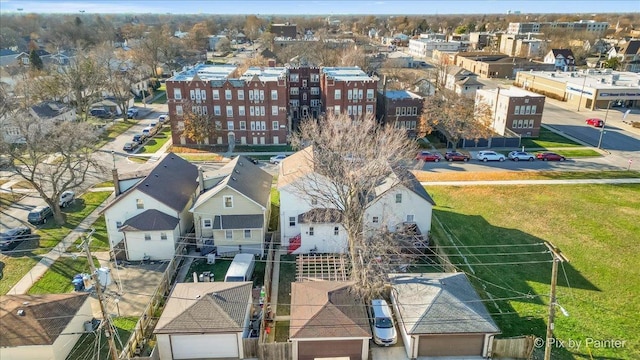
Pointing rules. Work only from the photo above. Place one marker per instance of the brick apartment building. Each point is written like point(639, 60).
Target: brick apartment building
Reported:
point(400, 108)
point(348, 89)
point(514, 109)
point(304, 93)
point(251, 109)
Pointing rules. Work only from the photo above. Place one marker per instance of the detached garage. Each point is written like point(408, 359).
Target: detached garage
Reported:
point(205, 321)
point(440, 314)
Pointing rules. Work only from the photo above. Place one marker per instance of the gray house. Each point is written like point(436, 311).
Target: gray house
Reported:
point(233, 211)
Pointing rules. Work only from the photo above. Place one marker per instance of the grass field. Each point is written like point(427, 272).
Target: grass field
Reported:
point(13, 268)
point(523, 175)
point(94, 345)
point(595, 226)
point(287, 276)
point(116, 129)
point(57, 280)
point(548, 139)
point(156, 142)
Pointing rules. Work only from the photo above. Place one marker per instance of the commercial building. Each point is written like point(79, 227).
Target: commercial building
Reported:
point(498, 65)
point(599, 27)
point(514, 110)
point(424, 47)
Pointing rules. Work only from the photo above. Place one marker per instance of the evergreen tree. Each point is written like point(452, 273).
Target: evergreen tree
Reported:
point(35, 60)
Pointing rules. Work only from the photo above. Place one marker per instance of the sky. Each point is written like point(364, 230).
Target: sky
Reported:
point(313, 7)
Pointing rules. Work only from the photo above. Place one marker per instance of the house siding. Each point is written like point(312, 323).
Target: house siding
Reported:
point(323, 239)
point(391, 214)
point(157, 249)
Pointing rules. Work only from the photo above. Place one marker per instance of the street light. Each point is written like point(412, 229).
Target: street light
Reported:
point(604, 123)
point(582, 90)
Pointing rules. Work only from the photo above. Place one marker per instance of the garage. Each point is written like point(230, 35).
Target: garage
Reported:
point(451, 345)
point(311, 350)
point(204, 346)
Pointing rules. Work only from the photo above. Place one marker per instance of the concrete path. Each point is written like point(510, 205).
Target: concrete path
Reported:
point(22, 286)
point(532, 182)
point(275, 281)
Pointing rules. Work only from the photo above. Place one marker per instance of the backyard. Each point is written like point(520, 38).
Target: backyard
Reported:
point(57, 280)
point(94, 345)
point(504, 255)
point(219, 270)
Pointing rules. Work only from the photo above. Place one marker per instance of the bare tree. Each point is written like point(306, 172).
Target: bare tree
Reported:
point(82, 80)
point(52, 157)
point(350, 159)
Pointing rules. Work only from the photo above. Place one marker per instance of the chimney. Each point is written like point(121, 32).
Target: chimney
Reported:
point(201, 178)
point(116, 181)
point(272, 62)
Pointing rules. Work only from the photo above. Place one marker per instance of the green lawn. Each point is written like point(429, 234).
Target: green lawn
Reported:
point(200, 157)
point(57, 280)
point(51, 233)
point(574, 153)
point(548, 139)
point(275, 210)
point(13, 268)
point(157, 141)
point(599, 286)
point(287, 276)
point(94, 346)
point(220, 268)
point(162, 99)
point(114, 130)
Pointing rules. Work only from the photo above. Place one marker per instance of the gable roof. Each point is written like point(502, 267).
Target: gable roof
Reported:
point(295, 166)
point(320, 216)
point(632, 47)
point(440, 303)
point(214, 307)
point(321, 309)
point(468, 81)
point(565, 53)
point(45, 318)
point(243, 176)
point(172, 182)
point(150, 220)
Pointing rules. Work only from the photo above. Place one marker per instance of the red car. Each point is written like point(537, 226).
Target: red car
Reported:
point(428, 156)
point(545, 156)
point(456, 156)
point(595, 122)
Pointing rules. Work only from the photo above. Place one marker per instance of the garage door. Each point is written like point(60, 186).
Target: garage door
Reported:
point(204, 346)
point(311, 350)
point(451, 345)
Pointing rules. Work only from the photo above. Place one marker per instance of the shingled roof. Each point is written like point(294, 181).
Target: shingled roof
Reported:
point(45, 317)
point(150, 220)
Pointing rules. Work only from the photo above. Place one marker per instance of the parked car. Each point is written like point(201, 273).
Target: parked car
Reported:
point(139, 138)
point(428, 156)
point(132, 113)
point(488, 155)
point(595, 122)
point(277, 159)
point(521, 155)
point(67, 198)
point(39, 215)
point(382, 325)
point(101, 113)
point(456, 156)
point(546, 156)
point(162, 118)
point(130, 146)
point(12, 237)
point(149, 131)
point(253, 160)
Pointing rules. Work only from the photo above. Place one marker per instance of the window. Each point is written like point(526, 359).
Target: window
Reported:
point(375, 220)
point(315, 77)
point(534, 108)
point(118, 224)
point(527, 110)
point(263, 125)
point(218, 125)
point(398, 198)
point(359, 109)
point(250, 95)
point(337, 95)
point(315, 103)
point(228, 234)
point(520, 124)
point(204, 110)
point(177, 94)
point(163, 236)
point(515, 122)
point(228, 201)
point(517, 111)
point(294, 91)
point(531, 123)
point(229, 125)
point(227, 94)
point(409, 218)
point(414, 111)
point(243, 125)
point(261, 95)
point(216, 110)
point(349, 95)
point(292, 221)
point(304, 83)
point(216, 94)
point(139, 203)
point(274, 110)
point(369, 109)
point(294, 103)
point(336, 109)
point(192, 94)
point(404, 111)
point(207, 223)
point(315, 91)
point(262, 112)
point(336, 231)
point(179, 110)
point(310, 230)
point(304, 96)
point(370, 94)
point(229, 111)
point(274, 94)
point(349, 110)
point(203, 94)
point(293, 77)
point(247, 234)
point(147, 236)
point(241, 111)
point(253, 125)
point(274, 125)
point(251, 111)
point(240, 94)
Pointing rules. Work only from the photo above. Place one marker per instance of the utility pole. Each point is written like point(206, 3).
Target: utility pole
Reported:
point(557, 257)
point(105, 316)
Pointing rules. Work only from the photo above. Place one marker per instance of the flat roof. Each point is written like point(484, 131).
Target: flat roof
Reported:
point(205, 72)
point(512, 92)
point(592, 78)
point(349, 73)
point(401, 94)
point(264, 73)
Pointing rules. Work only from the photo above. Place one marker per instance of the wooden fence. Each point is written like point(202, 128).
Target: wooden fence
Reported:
point(514, 348)
point(268, 276)
point(274, 350)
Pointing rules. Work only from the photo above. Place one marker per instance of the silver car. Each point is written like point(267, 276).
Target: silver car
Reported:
point(488, 155)
point(521, 155)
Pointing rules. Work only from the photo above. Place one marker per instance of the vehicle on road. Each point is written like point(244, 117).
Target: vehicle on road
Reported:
point(253, 160)
point(139, 138)
point(67, 198)
point(595, 122)
point(428, 156)
point(550, 156)
point(277, 159)
point(130, 146)
point(162, 118)
point(456, 156)
point(488, 155)
point(12, 237)
point(101, 113)
point(149, 131)
point(132, 113)
point(39, 215)
point(521, 155)
point(382, 326)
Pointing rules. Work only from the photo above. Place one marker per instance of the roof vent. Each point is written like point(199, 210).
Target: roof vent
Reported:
point(156, 175)
point(21, 312)
point(234, 179)
point(239, 163)
point(237, 172)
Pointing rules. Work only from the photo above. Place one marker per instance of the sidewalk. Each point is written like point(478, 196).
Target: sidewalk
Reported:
point(22, 286)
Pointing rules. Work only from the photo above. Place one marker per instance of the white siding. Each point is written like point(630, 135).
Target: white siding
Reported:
point(157, 249)
point(391, 213)
point(323, 239)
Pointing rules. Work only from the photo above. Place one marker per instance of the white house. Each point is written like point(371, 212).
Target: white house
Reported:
point(42, 326)
point(561, 58)
point(45, 115)
point(308, 225)
point(424, 47)
point(151, 212)
point(462, 81)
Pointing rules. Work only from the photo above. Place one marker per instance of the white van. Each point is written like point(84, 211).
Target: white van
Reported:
point(382, 326)
point(149, 131)
point(241, 268)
